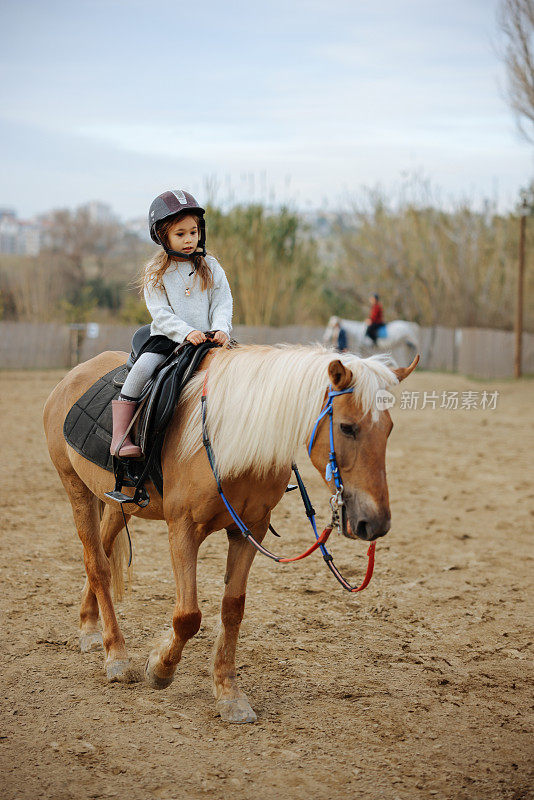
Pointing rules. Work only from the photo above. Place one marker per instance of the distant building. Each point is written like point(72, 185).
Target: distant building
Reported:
point(325, 223)
point(99, 213)
point(18, 237)
point(139, 227)
point(30, 234)
point(8, 230)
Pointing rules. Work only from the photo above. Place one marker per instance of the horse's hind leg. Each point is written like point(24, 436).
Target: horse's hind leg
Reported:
point(112, 522)
point(232, 703)
point(86, 518)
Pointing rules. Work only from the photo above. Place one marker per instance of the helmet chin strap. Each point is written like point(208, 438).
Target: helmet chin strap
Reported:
point(187, 256)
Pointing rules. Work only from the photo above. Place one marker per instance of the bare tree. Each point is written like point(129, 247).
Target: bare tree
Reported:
point(76, 236)
point(33, 287)
point(516, 19)
point(453, 267)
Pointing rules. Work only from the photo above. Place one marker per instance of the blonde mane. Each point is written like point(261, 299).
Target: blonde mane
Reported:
point(263, 402)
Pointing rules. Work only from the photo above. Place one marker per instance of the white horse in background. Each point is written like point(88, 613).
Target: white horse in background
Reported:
point(402, 338)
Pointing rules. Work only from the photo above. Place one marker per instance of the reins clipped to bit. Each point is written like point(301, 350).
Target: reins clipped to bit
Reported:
point(336, 501)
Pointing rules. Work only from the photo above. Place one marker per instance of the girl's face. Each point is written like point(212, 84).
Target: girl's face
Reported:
point(183, 236)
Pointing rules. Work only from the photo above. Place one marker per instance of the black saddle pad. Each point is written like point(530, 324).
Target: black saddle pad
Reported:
point(88, 426)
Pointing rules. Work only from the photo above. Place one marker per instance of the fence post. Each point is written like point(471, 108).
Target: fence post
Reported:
point(523, 211)
point(77, 330)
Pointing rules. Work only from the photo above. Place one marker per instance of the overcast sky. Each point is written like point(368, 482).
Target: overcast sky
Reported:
point(119, 100)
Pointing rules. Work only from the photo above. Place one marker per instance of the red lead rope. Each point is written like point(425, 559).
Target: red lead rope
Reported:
point(332, 567)
point(321, 540)
point(370, 568)
point(368, 575)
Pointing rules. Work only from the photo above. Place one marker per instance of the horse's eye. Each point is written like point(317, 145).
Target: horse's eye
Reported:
point(349, 430)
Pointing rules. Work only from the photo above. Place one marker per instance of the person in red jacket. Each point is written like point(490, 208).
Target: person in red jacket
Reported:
point(375, 318)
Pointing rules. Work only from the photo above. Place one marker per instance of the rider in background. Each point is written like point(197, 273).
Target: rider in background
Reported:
point(375, 318)
point(339, 336)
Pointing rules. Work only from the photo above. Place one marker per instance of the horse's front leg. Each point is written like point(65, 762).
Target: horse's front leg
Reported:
point(163, 660)
point(232, 703)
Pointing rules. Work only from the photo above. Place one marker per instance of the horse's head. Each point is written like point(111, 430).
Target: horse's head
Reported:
point(360, 448)
point(328, 336)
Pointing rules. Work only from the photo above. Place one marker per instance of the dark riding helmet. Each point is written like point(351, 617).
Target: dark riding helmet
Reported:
point(170, 204)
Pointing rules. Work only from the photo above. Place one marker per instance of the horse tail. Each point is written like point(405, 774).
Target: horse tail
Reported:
point(118, 559)
point(412, 341)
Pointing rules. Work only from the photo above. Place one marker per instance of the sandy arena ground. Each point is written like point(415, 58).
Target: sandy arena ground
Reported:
point(420, 687)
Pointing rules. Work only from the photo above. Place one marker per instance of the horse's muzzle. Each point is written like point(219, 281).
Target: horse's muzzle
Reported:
point(365, 520)
point(369, 530)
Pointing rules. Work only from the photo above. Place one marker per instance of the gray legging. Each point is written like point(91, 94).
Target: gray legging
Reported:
point(140, 373)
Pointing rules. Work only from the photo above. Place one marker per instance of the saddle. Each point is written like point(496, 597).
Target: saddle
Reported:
point(382, 331)
point(88, 426)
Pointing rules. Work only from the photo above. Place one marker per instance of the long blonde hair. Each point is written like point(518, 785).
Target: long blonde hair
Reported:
point(157, 266)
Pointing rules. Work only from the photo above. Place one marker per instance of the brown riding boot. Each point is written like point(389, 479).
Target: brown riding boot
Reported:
point(123, 411)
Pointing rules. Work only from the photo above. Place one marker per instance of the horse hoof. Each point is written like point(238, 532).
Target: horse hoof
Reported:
point(118, 670)
point(153, 680)
point(238, 710)
point(91, 641)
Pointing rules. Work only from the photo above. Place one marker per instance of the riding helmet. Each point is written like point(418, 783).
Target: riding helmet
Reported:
point(170, 204)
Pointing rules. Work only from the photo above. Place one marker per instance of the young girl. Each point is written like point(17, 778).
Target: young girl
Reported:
point(375, 318)
point(186, 292)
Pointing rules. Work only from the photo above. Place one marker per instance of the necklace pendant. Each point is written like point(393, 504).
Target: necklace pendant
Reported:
point(187, 291)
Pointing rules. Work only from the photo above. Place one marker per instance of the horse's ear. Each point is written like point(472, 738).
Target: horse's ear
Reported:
point(340, 376)
point(403, 372)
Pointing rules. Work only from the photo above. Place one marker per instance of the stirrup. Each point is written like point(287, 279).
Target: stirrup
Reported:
point(140, 497)
point(119, 497)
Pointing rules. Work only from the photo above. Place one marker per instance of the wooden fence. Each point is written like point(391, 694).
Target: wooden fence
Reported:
point(483, 353)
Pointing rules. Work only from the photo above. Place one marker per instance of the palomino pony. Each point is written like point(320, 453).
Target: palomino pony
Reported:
point(262, 405)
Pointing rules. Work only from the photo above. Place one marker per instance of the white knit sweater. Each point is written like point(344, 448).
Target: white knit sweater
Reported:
point(176, 314)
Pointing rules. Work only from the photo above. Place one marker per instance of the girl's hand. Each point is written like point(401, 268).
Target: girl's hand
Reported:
point(195, 337)
point(220, 337)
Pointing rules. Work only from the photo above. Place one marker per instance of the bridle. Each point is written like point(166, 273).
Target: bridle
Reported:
point(336, 501)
